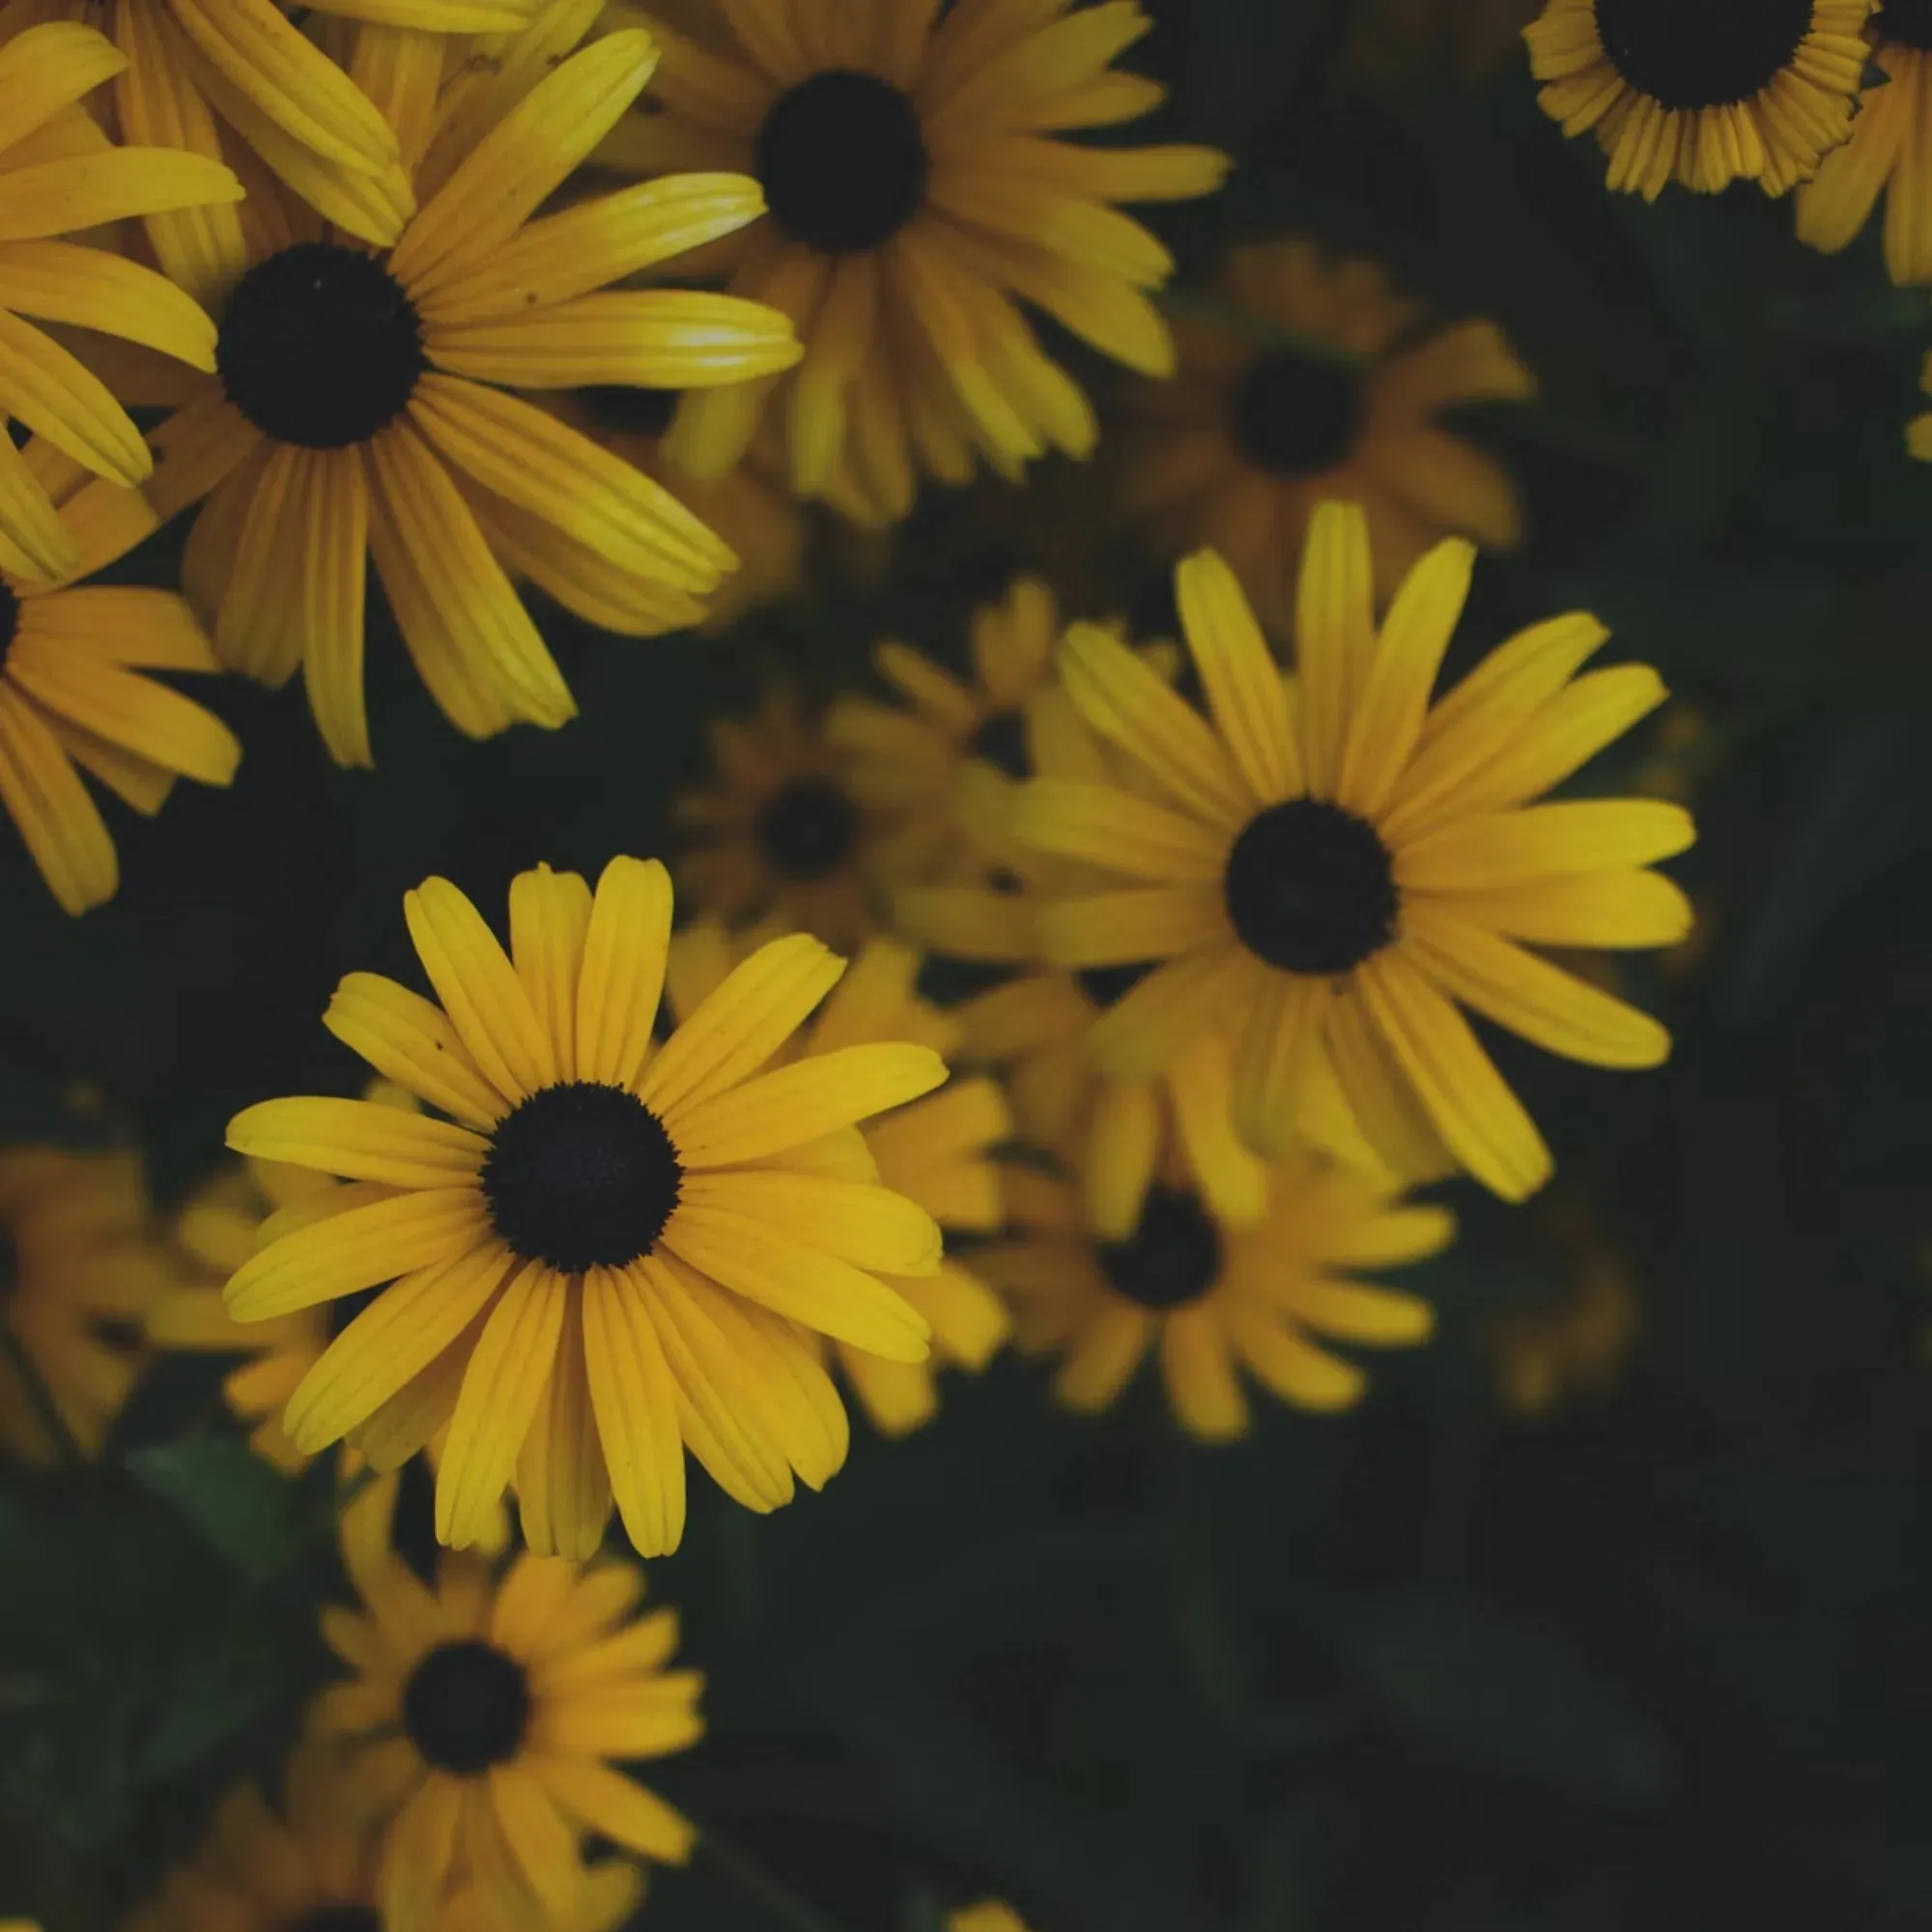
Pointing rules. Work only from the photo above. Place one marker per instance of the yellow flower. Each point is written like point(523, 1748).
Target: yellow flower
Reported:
point(72, 694)
point(918, 197)
point(988, 1915)
point(479, 1723)
point(789, 834)
point(937, 766)
point(60, 175)
point(607, 1251)
point(1322, 383)
point(1208, 1299)
point(357, 407)
point(1334, 869)
point(935, 1151)
point(79, 1262)
point(261, 1870)
point(1706, 94)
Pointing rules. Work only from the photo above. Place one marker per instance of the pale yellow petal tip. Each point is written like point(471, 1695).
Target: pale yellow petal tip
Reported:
point(623, 869)
point(1919, 431)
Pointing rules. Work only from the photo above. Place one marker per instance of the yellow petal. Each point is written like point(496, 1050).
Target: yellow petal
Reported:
point(91, 191)
point(1334, 635)
point(402, 1036)
point(622, 975)
point(635, 1404)
point(1118, 830)
point(44, 69)
point(58, 397)
point(1540, 842)
point(870, 1227)
point(87, 288)
point(479, 989)
point(360, 1140)
point(1239, 674)
point(58, 821)
point(549, 915)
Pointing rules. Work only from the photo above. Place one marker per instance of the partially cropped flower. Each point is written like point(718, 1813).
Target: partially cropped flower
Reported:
point(1340, 870)
point(481, 1724)
point(610, 1249)
point(936, 1151)
point(80, 1260)
point(363, 408)
point(1319, 380)
point(73, 694)
point(791, 832)
point(988, 1915)
point(1208, 1300)
point(60, 175)
point(1730, 90)
point(919, 195)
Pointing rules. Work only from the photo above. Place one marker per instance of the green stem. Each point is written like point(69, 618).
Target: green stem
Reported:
point(755, 1883)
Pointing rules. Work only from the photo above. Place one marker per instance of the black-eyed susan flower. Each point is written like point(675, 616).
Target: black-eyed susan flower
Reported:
point(750, 509)
point(1344, 867)
point(938, 764)
point(789, 832)
point(74, 696)
point(79, 1262)
point(1208, 1299)
point(60, 175)
point(1319, 381)
point(479, 1726)
point(265, 1868)
point(361, 406)
point(1889, 152)
point(1709, 94)
point(936, 1151)
point(918, 194)
point(609, 1249)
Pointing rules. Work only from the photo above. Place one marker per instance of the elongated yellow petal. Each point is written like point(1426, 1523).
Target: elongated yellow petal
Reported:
point(563, 1490)
point(1173, 1006)
point(1334, 635)
point(1272, 1063)
point(635, 1404)
point(60, 824)
point(480, 988)
point(549, 915)
point(1239, 676)
point(360, 1139)
point(870, 1227)
point(622, 975)
point(89, 288)
point(91, 191)
point(60, 399)
point(327, 601)
point(1126, 927)
point(1116, 829)
point(1621, 908)
point(1544, 841)
point(44, 69)
point(599, 1800)
point(409, 1041)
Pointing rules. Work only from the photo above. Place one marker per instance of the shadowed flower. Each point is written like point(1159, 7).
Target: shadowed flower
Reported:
point(610, 1247)
point(1335, 866)
point(1319, 381)
point(478, 1728)
point(918, 194)
point(1704, 94)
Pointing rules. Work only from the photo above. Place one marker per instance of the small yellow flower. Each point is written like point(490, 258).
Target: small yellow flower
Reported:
point(988, 1915)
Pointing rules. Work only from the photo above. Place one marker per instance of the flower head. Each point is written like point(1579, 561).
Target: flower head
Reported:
point(609, 1248)
point(1335, 866)
point(919, 192)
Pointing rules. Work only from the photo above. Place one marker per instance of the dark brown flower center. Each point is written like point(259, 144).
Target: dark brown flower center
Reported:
point(1690, 54)
point(1296, 415)
point(807, 829)
point(465, 1707)
point(1308, 887)
point(580, 1176)
point(320, 346)
point(842, 162)
point(1170, 1259)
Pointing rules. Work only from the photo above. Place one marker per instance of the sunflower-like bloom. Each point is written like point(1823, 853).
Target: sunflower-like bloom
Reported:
point(60, 175)
point(1336, 871)
point(357, 408)
point(79, 1262)
point(261, 1868)
point(1705, 94)
point(609, 1248)
point(937, 765)
point(918, 195)
point(750, 508)
point(72, 698)
point(1208, 1299)
point(1236, 451)
point(479, 1723)
point(936, 1151)
point(790, 834)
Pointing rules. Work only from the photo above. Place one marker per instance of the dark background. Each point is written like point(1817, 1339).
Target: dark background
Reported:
point(1662, 1660)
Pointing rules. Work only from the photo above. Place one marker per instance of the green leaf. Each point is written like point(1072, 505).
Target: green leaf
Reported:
point(247, 1512)
point(1504, 1693)
point(216, 1688)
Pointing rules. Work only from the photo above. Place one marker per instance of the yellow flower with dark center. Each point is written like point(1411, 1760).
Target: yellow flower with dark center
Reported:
point(1889, 152)
point(609, 1249)
point(789, 834)
point(937, 764)
point(918, 195)
point(60, 175)
point(1210, 1300)
point(482, 1718)
point(750, 509)
point(303, 1869)
point(79, 1262)
point(1322, 383)
point(1335, 870)
point(936, 1151)
point(357, 408)
point(72, 696)
point(1704, 94)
